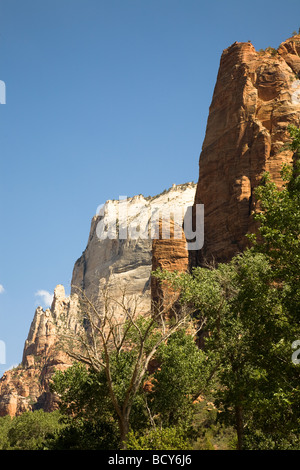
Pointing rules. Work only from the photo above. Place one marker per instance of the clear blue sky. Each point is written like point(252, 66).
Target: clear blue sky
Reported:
point(103, 98)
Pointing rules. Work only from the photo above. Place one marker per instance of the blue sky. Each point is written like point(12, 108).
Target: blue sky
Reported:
point(103, 98)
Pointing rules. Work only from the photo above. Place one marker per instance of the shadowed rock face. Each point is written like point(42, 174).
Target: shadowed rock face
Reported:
point(257, 94)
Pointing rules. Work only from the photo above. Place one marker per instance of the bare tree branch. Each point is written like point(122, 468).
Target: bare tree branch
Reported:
point(117, 324)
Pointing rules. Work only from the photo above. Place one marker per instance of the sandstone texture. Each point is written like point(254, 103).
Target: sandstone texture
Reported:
point(256, 96)
point(26, 387)
point(172, 255)
point(126, 264)
point(122, 265)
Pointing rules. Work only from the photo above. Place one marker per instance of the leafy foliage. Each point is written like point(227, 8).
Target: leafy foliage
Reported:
point(249, 311)
point(84, 395)
point(88, 414)
point(179, 380)
point(30, 430)
point(169, 438)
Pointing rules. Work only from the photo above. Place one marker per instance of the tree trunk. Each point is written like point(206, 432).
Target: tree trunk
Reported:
point(124, 429)
point(239, 426)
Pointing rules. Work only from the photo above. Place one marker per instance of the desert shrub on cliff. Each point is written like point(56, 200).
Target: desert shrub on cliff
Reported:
point(272, 51)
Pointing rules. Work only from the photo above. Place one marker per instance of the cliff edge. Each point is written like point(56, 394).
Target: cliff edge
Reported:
point(256, 96)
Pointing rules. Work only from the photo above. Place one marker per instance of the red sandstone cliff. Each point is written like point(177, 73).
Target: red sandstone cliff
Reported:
point(256, 96)
point(169, 254)
point(26, 387)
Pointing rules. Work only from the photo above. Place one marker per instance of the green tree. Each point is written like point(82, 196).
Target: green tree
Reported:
point(278, 239)
point(248, 345)
point(88, 415)
point(279, 228)
point(30, 430)
point(168, 400)
point(249, 312)
point(211, 292)
point(5, 425)
point(119, 344)
point(181, 377)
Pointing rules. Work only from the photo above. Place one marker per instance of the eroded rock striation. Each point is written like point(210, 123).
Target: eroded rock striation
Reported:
point(170, 254)
point(126, 263)
point(256, 96)
point(26, 387)
point(121, 264)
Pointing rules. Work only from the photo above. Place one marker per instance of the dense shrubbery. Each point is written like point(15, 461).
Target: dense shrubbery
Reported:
point(30, 431)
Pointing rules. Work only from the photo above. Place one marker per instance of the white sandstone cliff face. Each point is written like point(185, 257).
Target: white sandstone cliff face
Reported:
point(118, 262)
point(126, 263)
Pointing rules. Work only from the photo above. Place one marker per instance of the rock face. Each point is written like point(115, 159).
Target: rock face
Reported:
point(121, 263)
point(171, 255)
point(26, 387)
point(257, 94)
point(127, 263)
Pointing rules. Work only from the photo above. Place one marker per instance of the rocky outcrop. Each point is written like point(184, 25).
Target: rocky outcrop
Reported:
point(26, 387)
point(169, 254)
point(290, 51)
point(126, 263)
point(122, 264)
point(257, 95)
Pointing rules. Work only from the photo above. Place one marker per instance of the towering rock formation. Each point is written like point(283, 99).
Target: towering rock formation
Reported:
point(26, 387)
point(117, 263)
point(257, 94)
point(169, 254)
point(126, 263)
